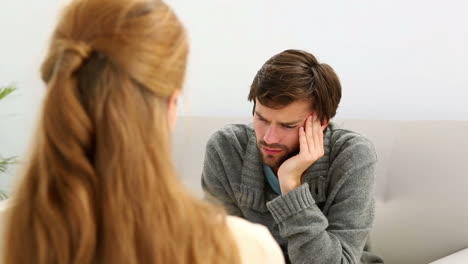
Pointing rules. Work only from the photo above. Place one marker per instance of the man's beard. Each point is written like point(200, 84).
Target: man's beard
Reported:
point(275, 161)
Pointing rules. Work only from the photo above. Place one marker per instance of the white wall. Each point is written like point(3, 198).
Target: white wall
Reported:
point(396, 59)
point(25, 27)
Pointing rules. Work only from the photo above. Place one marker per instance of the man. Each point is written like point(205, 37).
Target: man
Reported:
point(309, 181)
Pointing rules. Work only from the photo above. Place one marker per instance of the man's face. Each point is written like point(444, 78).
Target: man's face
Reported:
point(277, 130)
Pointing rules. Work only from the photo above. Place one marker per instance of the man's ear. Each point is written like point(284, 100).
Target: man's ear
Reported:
point(325, 124)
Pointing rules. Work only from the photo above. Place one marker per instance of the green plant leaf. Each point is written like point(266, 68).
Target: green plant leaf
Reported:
point(4, 91)
point(4, 195)
point(4, 163)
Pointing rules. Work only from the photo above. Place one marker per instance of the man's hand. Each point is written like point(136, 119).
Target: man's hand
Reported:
point(310, 150)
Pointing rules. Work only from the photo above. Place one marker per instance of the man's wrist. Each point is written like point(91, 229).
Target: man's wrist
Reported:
point(289, 183)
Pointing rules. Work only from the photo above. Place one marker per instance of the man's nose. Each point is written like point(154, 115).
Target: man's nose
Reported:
point(271, 135)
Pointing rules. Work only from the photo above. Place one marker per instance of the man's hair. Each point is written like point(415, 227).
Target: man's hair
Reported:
point(295, 75)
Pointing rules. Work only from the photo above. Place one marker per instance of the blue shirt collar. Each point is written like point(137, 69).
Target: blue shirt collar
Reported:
point(272, 179)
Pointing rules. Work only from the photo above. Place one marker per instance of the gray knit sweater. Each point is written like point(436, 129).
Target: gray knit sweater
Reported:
point(325, 220)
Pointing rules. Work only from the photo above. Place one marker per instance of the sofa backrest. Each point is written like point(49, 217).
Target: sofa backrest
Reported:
point(422, 181)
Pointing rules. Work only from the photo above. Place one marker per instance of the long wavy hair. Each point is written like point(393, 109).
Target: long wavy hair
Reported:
point(100, 186)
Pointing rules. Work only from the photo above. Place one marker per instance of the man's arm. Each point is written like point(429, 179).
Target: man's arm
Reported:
point(338, 237)
point(215, 183)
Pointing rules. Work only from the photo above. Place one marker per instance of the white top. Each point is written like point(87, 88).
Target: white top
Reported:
point(4, 206)
point(255, 243)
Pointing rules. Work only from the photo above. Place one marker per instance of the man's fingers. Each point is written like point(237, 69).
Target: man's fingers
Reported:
point(303, 146)
point(312, 137)
point(309, 133)
point(317, 134)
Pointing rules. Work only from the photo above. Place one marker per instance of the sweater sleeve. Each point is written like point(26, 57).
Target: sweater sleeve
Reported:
point(339, 236)
point(215, 184)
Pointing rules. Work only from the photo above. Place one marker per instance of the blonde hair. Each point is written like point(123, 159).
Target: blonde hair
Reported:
point(100, 186)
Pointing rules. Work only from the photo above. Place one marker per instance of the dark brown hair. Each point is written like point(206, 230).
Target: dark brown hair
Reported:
point(295, 75)
point(100, 186)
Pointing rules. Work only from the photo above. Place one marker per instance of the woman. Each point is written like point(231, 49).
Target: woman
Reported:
point(100, 186)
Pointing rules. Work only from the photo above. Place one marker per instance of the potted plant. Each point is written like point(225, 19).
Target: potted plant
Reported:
point(5, 162)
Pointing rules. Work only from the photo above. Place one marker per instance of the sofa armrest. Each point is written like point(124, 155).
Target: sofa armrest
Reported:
point(456, 258)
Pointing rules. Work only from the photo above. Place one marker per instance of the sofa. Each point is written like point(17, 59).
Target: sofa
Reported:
point(421, 189)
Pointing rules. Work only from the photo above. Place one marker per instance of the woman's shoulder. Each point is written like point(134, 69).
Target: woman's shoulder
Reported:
point(255, 243)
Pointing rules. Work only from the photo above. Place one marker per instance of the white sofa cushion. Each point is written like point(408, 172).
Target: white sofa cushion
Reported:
point(460, 257)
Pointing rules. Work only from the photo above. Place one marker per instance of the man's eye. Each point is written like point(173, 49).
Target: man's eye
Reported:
point(290, 127)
